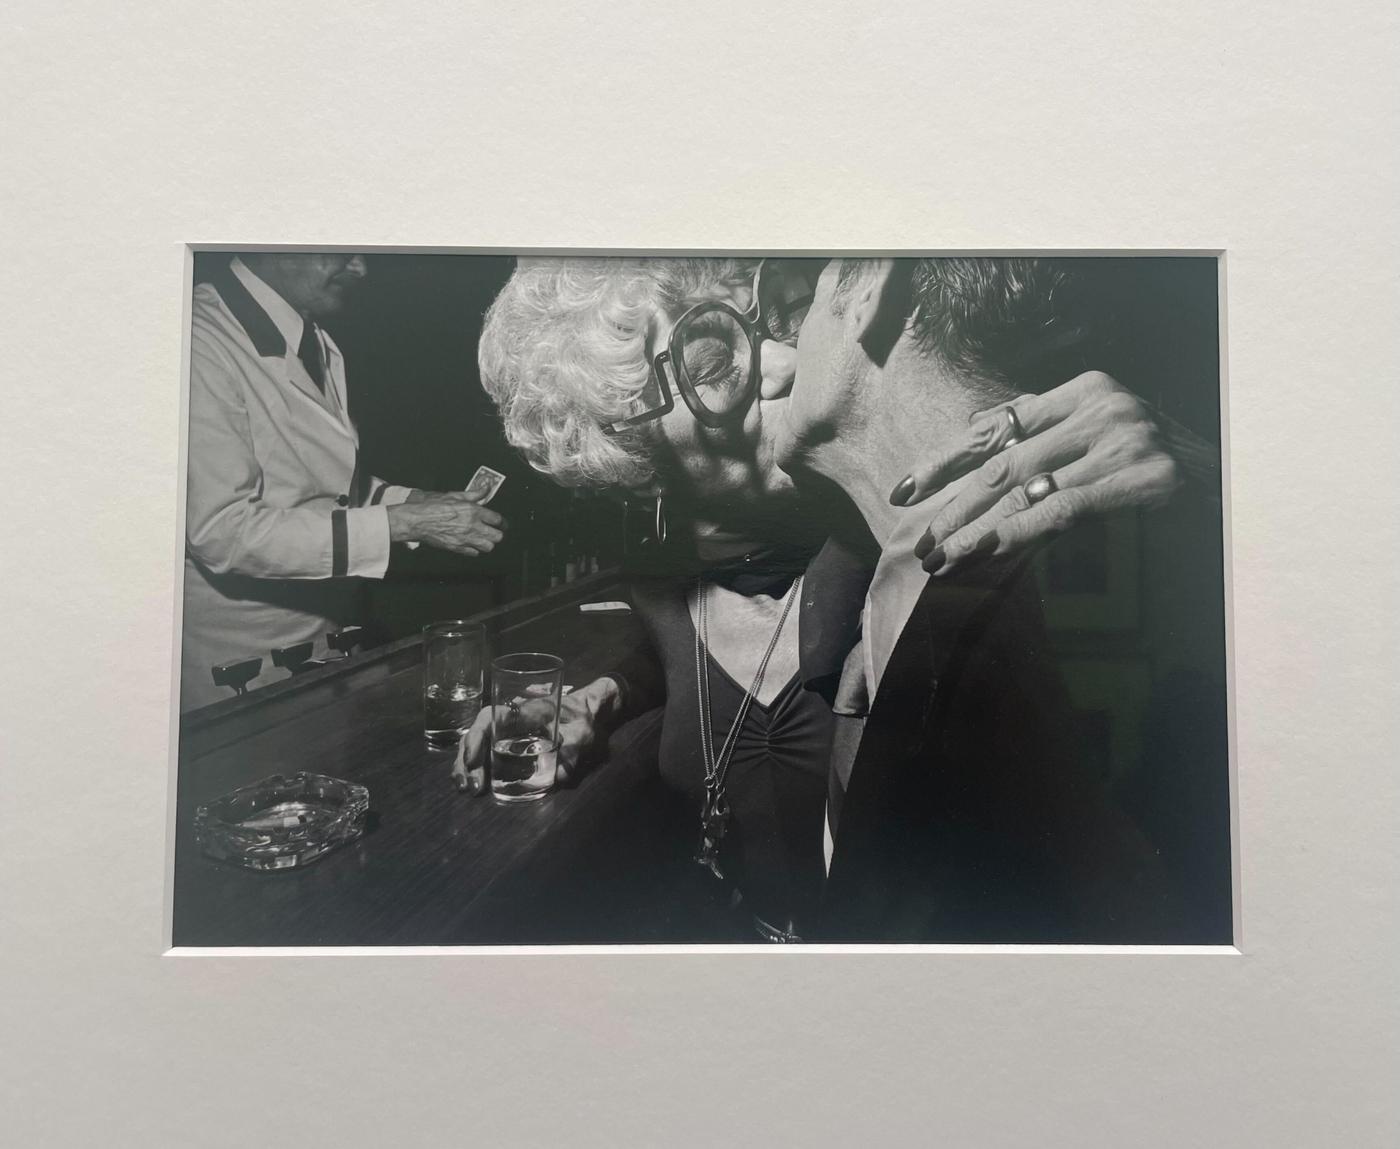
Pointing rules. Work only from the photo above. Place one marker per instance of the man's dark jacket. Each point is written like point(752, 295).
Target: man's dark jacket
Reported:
point(973, 812)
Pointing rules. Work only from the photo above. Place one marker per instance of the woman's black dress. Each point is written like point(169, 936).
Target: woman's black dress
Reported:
point(771, 855)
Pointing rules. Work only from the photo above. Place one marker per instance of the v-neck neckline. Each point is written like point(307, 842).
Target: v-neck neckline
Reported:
point(711, 660)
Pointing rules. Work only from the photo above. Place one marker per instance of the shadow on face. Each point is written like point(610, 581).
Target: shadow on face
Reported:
point(315, 283)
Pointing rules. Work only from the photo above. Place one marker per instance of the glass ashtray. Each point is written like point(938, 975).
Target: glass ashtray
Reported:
point(282, 821)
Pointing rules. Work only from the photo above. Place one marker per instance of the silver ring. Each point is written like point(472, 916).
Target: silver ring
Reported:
point(1017, 431)
point(1038, 488)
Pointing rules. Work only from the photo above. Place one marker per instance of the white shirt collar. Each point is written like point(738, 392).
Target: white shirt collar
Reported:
point(286, 317)
point(894, 591)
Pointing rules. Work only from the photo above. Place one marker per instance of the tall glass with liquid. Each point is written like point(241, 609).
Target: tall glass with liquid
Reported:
point(525, 694)
point(454, 660)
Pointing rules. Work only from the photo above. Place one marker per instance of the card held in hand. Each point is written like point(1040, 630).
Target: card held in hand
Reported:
point(484, 485)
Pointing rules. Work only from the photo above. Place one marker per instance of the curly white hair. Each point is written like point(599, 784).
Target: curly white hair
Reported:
point(564, 351)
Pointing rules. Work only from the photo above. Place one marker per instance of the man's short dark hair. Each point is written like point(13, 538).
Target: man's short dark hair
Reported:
point(1014, 322)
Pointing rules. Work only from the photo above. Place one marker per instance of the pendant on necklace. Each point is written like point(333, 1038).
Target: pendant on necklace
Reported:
point(709, 856)
point(714, 819)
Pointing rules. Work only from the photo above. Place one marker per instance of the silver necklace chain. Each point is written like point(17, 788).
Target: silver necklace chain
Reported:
point(714, 815)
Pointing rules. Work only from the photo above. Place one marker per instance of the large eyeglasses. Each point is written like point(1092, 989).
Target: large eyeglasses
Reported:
point(712, 352)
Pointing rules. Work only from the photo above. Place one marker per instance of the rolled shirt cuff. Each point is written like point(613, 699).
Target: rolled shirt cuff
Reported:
point(360, 542)
point(389, 495)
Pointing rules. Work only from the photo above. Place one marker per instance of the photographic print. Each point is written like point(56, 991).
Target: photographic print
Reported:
point(641, 600)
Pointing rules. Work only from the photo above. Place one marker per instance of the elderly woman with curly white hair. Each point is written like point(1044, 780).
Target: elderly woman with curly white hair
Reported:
point(669, 376)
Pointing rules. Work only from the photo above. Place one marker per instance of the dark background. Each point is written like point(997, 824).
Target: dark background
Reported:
point(409, 336)
point(1161, 333)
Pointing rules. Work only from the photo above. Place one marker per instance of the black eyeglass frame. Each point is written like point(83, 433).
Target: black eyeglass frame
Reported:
point(754, 324)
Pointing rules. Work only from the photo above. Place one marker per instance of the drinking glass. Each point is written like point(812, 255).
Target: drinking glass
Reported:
point(454, 656)
point(525, 693)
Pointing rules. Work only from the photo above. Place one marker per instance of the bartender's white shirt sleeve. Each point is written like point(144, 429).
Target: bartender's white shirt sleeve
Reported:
point(229, 528)
point(368, 529)
point(367, 538)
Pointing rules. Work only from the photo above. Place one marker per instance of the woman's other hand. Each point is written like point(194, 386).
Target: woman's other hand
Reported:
point(1096, 439)
point(585, 716)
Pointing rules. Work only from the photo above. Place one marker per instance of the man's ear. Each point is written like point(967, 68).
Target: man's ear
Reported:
point(881, 306)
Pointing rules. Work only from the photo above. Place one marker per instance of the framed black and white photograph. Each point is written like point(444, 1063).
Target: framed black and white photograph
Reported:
point(738, 600)
point(649, 577)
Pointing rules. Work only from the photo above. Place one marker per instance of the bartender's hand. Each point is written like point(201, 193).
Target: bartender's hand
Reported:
point(448, 520)
point(1099, 443)
point(584, 715)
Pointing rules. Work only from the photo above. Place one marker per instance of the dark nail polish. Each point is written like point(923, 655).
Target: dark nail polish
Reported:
point(902, 490)
point(936, 558)
point(924, 545)
point(984, 546)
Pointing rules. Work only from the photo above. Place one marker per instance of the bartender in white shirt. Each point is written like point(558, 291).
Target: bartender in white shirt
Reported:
point(280, 520)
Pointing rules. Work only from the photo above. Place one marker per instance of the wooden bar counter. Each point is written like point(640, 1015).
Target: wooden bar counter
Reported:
point(435, 866)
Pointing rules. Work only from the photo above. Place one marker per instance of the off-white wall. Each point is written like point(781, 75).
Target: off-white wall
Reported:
point(1266, 129)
